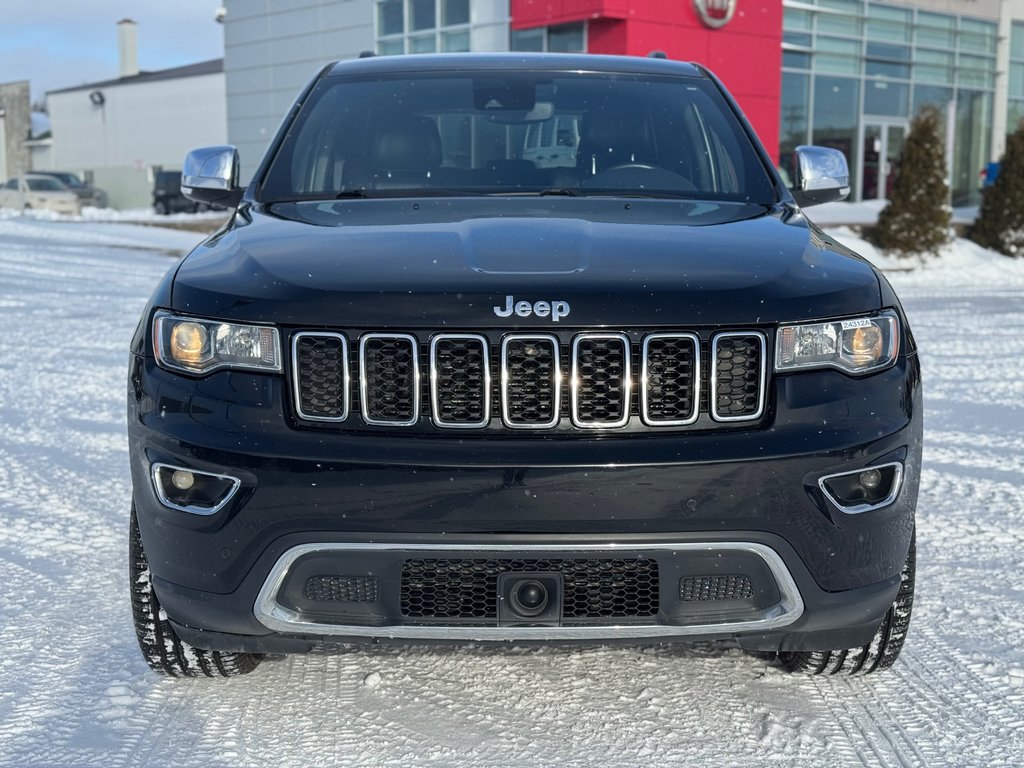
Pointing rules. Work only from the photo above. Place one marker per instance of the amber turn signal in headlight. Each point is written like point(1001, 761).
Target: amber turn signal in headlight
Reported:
point(857, 345)
point(194, 345)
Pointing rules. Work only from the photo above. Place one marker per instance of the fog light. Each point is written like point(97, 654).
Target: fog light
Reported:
point(189, 490)
point(863, 490)
point(871, 479)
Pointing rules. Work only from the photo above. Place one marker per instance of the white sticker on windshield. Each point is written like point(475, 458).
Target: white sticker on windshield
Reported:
point(851, 324)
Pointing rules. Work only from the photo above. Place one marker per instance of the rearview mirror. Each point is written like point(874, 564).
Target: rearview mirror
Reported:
point(822, 176)
point(210, 175)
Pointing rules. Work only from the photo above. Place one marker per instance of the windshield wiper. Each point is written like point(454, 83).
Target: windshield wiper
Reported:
point(560, 191)
point(350, 194)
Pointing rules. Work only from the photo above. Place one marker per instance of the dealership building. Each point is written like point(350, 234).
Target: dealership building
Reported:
point(848, 74)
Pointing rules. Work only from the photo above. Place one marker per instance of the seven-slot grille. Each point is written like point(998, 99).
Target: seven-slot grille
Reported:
point(539, 382)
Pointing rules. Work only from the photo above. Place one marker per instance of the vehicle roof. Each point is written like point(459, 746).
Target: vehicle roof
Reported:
point(557, 62)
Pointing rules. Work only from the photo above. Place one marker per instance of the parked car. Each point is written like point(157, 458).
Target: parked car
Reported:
point(88, 195)
point(402, 397)
point(34, 190)
point(167, 196)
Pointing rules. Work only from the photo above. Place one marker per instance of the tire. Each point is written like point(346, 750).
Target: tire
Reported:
point(163, 650)
point(881, 652)
point(160, 207)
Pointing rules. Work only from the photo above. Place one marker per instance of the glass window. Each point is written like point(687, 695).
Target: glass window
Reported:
point(839, 65)
point(837, 24)
point(391, 47)
point(423, 14)
point(454, 12)
point(389, 18)
point(527, 39)
point(566, 38)
point(977, 43)
point(796, 60)
point(978, 26)
point(44, 185)
point(797, 38)
point(423, 44)
point(1014, 115)
point(423, 134)
point(975, 71)
point(970, 153)
point(931, 74)
point(889, 31)
point(795, 117)
point(793, 19)
point(934, 95)
point(887, 69)
point(888, 12)
point(885, 98)
point(935, 20)
point(1017, 80)
point(854, 7)
point(890, 52)
point(937, 38)
point(838, 45)
point(937, 58)
point(1017, 41)
point(455, 42)
point(836, 112)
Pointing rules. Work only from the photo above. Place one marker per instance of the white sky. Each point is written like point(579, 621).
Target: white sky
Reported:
point(62, 43)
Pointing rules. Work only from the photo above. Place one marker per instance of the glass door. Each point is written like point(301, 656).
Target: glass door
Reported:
point(882, 145)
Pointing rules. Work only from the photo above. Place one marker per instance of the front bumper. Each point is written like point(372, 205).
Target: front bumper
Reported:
point(830, 576)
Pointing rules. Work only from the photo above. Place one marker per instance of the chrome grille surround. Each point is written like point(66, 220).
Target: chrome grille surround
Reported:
point(645, 381)
point(364, 402)
point(297, 378)
point(575, 385)
point(556, 384)
point(761, 377)
point(435, 398)
point(485, 379)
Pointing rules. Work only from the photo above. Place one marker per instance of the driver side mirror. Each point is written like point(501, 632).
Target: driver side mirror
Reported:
point(210, 176)
point(822, 176)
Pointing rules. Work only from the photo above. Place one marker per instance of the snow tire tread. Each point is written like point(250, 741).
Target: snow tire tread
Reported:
point(163, 650)
point(880, 653)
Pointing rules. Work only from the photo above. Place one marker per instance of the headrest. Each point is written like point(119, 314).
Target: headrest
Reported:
point(412, 145)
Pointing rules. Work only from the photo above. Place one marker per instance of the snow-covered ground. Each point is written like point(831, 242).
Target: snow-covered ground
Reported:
point(75, 691)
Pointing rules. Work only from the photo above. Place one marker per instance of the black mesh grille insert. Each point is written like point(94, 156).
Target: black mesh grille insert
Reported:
point(531, 394)
point(671, 381)
point(322, 376)
point(341, 589)
point(601, 373)
point(594, 589)
point(695, 589)
point(738, 361)
point(460, 381)
point(389, 380)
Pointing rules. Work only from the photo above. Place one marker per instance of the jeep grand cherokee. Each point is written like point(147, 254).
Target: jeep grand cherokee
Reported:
point(422, 386)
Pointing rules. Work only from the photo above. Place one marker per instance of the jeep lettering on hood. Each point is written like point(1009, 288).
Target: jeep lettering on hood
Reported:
point(556, 310)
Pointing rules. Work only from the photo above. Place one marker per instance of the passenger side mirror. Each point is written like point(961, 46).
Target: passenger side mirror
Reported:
point(822, 176)
point(210, 176)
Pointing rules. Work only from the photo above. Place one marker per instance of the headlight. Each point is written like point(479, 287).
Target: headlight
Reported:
point(858, 345)
point(193, 345)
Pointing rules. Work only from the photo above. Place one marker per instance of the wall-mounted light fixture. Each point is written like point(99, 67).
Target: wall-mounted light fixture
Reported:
point(97, 98)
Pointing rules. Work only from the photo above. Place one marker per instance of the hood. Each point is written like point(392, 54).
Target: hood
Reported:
point(480, 262)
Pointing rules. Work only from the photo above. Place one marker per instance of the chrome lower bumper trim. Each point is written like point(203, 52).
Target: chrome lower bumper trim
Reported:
point(280, 619)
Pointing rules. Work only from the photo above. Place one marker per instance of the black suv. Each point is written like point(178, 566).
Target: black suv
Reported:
point(419, 388)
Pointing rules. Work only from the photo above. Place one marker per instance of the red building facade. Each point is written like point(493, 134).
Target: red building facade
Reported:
point(738, 40)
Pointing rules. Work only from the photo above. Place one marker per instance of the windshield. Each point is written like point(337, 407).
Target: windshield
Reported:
point(45, 185)
point(68, 178)
point(516, 133)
